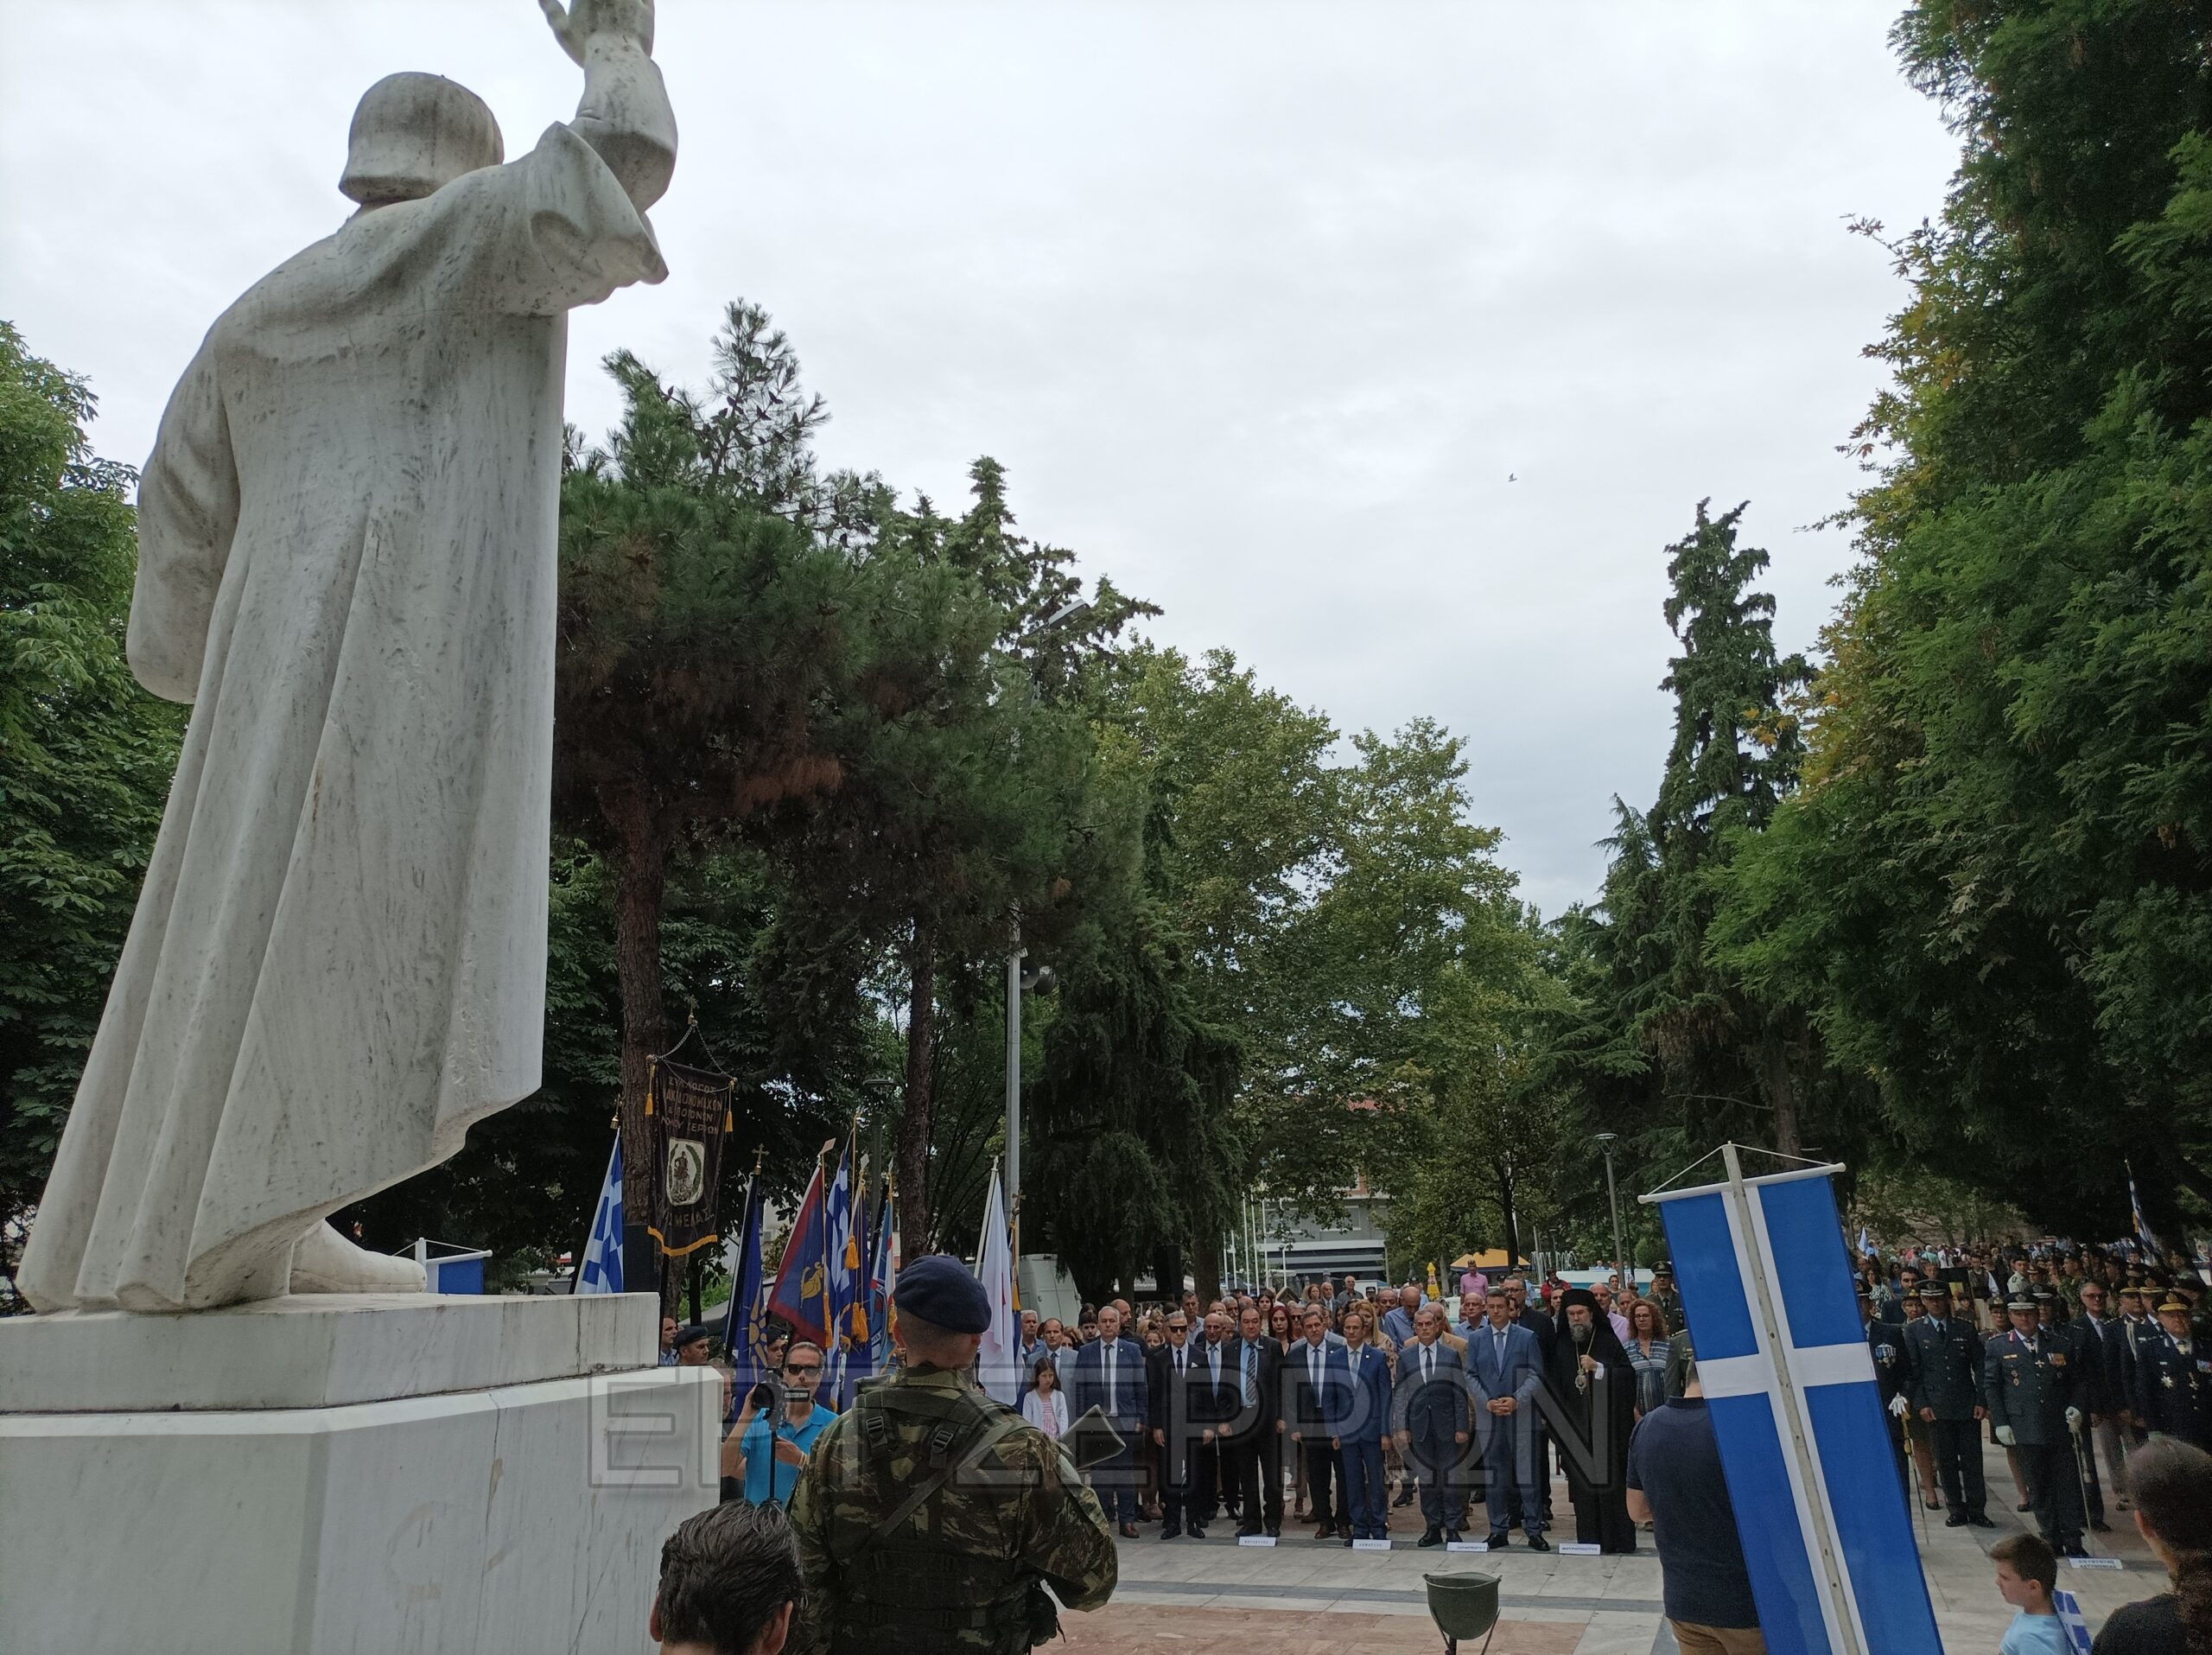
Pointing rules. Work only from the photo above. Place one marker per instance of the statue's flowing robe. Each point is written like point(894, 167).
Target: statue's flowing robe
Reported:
point(347, 563)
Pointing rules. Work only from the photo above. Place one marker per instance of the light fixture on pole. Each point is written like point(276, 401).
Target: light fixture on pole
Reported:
point(1612, 1195)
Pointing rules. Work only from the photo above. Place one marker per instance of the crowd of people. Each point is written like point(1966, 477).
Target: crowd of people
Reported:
point(2065, 1356)
point(1338, 1405)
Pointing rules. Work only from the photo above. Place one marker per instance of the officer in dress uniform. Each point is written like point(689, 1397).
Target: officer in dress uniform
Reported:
point(1944, 1390)
point(1667, 1297)
point(929, 1518)
point(2030, 1385)
point(2173, 1378)
point(1885, 1342)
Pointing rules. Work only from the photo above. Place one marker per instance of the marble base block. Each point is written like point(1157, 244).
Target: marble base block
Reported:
point(316, 1350)
point(524, 1516)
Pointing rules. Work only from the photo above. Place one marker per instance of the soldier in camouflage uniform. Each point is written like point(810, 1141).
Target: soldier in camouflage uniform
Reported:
point(929, 1518)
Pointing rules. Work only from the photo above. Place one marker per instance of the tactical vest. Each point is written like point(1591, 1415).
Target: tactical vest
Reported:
point(902, 1588)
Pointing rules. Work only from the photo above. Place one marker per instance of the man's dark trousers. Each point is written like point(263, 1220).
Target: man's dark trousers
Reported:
point(1957, 1464)
point(1320, 1479)
point(2049, 1468)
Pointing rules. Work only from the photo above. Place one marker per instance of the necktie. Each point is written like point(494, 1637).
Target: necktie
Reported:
point(1110, 1381)
point(1248, 1374)
point(1213, 1363)
point(1314, 1367)
point(1497, 1339)
point(1427, 1363)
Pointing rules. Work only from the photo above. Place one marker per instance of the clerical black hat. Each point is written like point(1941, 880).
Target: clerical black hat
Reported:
point(939, 1290)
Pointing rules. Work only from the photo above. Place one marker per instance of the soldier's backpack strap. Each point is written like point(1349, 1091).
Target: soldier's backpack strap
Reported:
point(944, 1463)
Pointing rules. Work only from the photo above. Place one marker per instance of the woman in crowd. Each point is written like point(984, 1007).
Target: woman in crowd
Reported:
point(1648, 1347)
point(2172, 1484)
point(1045, 1406)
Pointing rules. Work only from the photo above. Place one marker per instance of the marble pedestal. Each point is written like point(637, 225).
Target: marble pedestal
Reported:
point(469, 1475)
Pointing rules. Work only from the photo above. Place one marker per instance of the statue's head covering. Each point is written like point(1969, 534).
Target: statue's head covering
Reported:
point(415, 133)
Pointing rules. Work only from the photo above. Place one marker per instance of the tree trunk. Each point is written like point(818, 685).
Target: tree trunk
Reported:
point(914, 1234)
point(1167, 1271)
point(639, 885)
point(1781, 1089)
point(1205, 1268)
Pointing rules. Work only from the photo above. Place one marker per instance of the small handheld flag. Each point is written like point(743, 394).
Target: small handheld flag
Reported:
point(601, 1269)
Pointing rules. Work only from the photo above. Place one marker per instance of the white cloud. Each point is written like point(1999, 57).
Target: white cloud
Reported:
point(1261, 305)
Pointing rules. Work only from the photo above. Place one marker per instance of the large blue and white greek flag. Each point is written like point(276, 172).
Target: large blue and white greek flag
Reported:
point(601, 1270)
point(1790, 1382)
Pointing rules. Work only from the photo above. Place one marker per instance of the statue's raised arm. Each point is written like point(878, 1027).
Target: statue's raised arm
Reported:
point(625, 113)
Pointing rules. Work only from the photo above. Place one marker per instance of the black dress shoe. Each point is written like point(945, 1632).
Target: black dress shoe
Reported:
point(1537, 1543)
point(1197, 1531)
point(1169, 1530)
point(1452, 1537)
point(1496, 1540)
point(1982, 1520)
point(1430, 1538)
point(1245, 1532)
point(1274, 1531)
point(1347, 1539)
point(1405, 1498)
point(2070, 1549)
point(1956, 1520)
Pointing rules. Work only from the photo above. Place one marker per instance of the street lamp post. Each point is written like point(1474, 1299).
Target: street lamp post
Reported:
point(1612, 1195)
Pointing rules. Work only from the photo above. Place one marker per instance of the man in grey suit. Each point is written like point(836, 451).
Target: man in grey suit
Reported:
point(1505, 1364)
point(1430, 1414)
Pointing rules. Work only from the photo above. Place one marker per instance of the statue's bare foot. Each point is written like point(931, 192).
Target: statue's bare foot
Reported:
point(325, 1262)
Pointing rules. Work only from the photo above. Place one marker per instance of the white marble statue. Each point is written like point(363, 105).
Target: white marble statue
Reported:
point(347, 565)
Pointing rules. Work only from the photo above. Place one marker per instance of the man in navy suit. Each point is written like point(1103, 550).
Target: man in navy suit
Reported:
point(1505, 1363)
point(1319, 1397)
point(1110, 1375)
point(1430, 1414)
point(1251, 1449)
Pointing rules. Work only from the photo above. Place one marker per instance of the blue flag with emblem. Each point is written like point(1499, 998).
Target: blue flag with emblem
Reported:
point(879, 1288)
point(601, 1269)
point(1789, 1384)
point(848, 1281)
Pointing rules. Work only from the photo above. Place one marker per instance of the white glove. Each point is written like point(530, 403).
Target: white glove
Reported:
point(1898, 1406)
point(2074, 1420)
point(2003, 1436)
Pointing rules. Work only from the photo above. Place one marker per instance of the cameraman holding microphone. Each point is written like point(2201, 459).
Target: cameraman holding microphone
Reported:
point(766, 1472)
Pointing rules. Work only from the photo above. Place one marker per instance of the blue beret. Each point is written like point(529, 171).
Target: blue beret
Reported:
point(939, 1290)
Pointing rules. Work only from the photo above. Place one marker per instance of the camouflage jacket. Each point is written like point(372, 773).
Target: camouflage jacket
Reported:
point(1014, 1513)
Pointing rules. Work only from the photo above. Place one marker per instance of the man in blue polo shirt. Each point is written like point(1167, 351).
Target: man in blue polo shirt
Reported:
point(770, 1471)
point(1675, 1483)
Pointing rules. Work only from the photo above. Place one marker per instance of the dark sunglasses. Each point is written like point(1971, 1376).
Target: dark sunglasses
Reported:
point(803, 1367)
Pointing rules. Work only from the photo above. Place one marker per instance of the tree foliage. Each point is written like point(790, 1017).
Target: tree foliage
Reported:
point(86, 755)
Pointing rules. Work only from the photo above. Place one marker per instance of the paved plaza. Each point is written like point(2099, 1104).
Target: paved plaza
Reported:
point(1308, 1596)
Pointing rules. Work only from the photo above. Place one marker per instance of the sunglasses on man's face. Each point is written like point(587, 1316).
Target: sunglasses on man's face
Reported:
point(798, 1368)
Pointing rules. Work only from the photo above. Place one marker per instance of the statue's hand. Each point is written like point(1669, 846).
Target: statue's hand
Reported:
point(574, 24)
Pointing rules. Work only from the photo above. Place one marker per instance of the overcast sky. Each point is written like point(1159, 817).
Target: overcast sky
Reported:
point(1265, 307)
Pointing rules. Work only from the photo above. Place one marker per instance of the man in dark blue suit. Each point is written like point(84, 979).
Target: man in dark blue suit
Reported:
point(1318, 1398)
point(1430, 1414)
point(1505, 1364)
point(1110, 1375)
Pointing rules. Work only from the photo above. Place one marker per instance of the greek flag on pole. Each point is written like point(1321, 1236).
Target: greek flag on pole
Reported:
point(601, 1271)
point(879, 1290)
point(1789, 1384)
point(2142, 1225)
